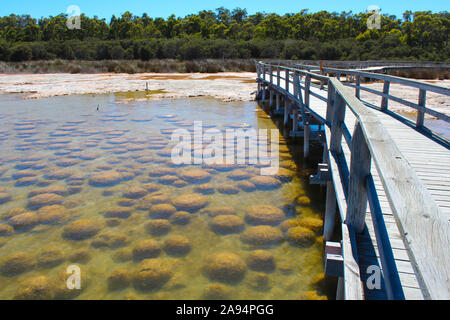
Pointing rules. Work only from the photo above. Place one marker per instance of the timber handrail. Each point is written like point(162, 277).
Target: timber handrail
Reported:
point(424, 229)
point(423, 87)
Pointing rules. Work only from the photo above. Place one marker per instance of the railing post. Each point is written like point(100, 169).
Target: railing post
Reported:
point(287, 80)
point(307, 89)
point(278, 76)
point(277, 101)
point(271, 74)
point(294, 119)
point(330, 101)
point(286, 112)
point(358, 85)
point(330, 212)
point(336, 128)
point(420, 114)
point(357, 190)
point(384, 100)
point(296, 82)
point(270, 98)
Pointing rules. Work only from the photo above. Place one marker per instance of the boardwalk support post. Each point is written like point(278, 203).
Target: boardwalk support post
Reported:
point(359, 170)
point(420, 113)
point(384, 99)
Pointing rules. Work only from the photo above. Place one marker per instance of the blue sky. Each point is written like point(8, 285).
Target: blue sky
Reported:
point(163, 8)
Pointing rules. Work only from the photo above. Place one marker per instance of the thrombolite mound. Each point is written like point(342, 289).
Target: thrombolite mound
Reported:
point(158, 172)
point(181, 218)
point(205, 188)
point(162, 211)
point(4, 197)
point(300, 235)
point(262, 235)
point(23, 174)
point(24, 220)
point(12, 212)
point(36, 288)
point(303, 201)
point(261, 260)
point(314, 224)
point(109, 240)
point(284, 175)
point(134, 193)
point(119, 279)
point(16, 263)
point(265, 182)
point(216, 291)
point(158, 227)
point(228, 189)
point(80, 256)
point(218, 211)
point(59, 190)
point(5, 230)
point(50, 257)
point(152, 274)
point(246, 186)
point(54, 214)
point(226, 224)
point(264, 214)
point(239, 174)
point(177, 245)
point(118, 212)
point(105, 178)
point(146, 249)
point(225, 267)
point(82, 229)
point(190, 202)
point(57, 175)
point(195, 175)
point(44, 199)
point(27, 181)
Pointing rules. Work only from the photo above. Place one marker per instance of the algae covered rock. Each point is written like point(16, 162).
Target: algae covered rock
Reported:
point(177, 245)
point(82, 229)
point(261, 260)
point(262, 235)
point(226, 224)
point(190, 202)
point(225, 267)
point(36, 288)
point(146, 249)
point(16, 263)
point(119, 279)
point(300, 235)
point(105, 178)
point(152, 274)
point(158, 227)
point(264, 214)
point(44, 199)
point(162, 211)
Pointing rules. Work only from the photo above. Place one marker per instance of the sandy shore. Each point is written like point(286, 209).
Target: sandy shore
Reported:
point(232, 86)
point(238, 86)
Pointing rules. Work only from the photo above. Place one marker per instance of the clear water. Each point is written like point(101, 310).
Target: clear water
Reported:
point(32, 128)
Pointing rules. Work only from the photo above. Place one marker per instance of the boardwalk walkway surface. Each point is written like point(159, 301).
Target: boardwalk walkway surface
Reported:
point(430, 161)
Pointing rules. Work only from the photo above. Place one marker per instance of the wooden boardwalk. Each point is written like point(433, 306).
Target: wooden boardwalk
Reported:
point(430, 161)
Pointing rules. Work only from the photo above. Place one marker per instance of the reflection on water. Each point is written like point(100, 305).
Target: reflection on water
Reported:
point(98, 190)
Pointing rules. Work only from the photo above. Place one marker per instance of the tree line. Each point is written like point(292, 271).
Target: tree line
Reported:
point(228, 34)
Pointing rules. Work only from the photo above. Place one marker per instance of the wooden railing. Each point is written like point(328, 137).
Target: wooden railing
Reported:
point(423, 227)
point(357, 77)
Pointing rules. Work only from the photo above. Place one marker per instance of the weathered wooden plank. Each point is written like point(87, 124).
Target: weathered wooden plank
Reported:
point(425, 230)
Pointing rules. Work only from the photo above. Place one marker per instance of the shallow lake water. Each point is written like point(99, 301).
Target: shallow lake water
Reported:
point(98, 189)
